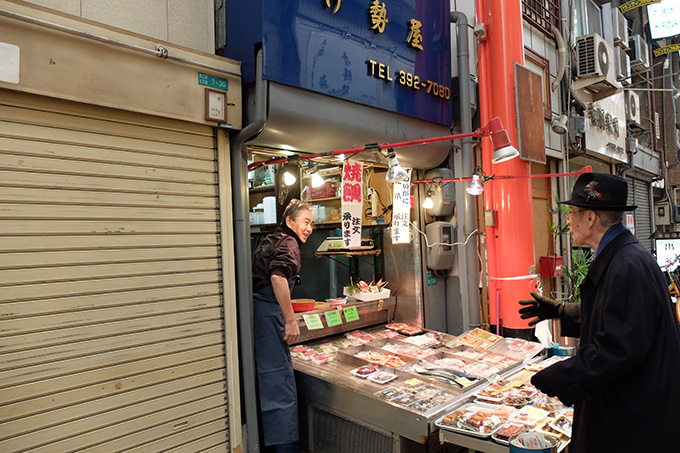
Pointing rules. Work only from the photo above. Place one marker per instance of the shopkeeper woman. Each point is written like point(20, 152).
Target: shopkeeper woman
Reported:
point(276, 263)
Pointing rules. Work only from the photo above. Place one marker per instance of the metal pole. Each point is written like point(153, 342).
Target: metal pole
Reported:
point(470, 287)
point(244, 286)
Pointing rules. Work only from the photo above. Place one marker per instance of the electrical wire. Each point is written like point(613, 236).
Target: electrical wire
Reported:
point(443, 243)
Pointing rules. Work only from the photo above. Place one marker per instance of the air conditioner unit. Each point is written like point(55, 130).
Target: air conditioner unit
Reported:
point(677, 138)
point(662, 213)
point(620, 29)
point(633, 109)
point(622, 66)
point(676, 217)
point(595, 66)
point(639, 54)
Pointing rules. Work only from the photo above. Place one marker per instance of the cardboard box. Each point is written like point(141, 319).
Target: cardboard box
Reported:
point(328, 190)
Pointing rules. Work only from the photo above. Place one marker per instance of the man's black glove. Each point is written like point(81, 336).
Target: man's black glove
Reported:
point(540, 308)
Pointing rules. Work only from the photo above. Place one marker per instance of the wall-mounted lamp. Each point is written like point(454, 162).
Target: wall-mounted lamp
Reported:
point(500, 142)
point(396, 172)
point(559, 124)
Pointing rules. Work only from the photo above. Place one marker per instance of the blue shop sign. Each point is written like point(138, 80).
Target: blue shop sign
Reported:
point(394, 55)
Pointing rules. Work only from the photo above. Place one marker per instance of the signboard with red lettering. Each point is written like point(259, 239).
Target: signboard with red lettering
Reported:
point(352, 203)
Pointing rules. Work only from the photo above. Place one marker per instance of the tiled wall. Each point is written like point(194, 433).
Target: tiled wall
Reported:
point(189, 23)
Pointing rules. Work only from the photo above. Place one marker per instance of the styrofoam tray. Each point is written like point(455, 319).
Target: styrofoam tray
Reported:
point(471, 406)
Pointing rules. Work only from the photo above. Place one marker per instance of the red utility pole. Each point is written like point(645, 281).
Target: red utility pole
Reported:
point(510, 242)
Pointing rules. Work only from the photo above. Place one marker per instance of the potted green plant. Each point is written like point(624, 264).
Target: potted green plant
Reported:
point(576, 270)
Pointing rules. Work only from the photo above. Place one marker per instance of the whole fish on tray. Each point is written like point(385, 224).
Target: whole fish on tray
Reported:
point(445, 373)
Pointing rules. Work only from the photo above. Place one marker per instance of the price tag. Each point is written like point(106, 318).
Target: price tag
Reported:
point(351, 314)
point(333, 318)
point(465, 382)
point(313, 321)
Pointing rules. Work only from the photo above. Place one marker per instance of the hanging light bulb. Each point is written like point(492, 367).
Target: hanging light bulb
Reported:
point(317, 180)
point(396, 172)
point(289, 179)
point(475, 188)
point(428, 203)
point(313, 171)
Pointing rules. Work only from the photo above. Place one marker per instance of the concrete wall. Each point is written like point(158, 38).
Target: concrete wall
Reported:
point(188, 23)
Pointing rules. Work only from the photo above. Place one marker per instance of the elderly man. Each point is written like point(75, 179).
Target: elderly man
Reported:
point(623, 380)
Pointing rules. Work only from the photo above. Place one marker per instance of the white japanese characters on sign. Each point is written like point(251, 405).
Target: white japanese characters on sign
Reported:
point(401, 211)
point(352, 204)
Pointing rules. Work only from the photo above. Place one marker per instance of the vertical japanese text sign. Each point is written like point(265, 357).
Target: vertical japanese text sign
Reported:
point(352, 204)
point(401, 211)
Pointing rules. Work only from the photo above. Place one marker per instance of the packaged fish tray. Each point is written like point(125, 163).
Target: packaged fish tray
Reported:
point(509, 429)
point(474, 419)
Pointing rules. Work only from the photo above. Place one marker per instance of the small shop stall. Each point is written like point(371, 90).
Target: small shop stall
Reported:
point(368, 384)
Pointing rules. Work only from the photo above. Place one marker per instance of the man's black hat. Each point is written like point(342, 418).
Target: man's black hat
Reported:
point(600, 192)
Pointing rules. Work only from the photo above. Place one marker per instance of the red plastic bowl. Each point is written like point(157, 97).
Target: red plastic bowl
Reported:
point(303, 305)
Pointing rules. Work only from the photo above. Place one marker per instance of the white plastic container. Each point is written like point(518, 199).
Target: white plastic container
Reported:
point(269, 204)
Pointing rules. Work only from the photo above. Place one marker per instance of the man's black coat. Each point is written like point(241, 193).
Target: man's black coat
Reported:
point(624, 380)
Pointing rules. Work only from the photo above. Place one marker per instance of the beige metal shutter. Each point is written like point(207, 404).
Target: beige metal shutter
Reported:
point(639, 195)
point(111, 324)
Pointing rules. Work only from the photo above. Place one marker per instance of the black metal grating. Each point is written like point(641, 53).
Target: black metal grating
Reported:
point(331, 434)
point(542, 14)
point(585, 50)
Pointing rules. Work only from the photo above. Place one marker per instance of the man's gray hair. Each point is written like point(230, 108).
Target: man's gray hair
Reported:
point(610, 218)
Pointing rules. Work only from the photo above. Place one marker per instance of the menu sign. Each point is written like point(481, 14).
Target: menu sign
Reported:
point(352, 203)
point(401, 211)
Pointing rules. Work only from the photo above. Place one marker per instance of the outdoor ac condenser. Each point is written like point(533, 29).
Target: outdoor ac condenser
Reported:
point(595, 65)
point(639, 54)
point(622, 66)
point(619, 29)
point(633, 109)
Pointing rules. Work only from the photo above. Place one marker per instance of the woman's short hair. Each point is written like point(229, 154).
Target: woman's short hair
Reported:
point(293, 209)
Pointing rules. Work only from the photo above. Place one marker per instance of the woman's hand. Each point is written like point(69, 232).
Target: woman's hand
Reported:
point(292, 333)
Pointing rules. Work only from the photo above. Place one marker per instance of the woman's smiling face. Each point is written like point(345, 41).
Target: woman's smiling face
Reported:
point(302, 225)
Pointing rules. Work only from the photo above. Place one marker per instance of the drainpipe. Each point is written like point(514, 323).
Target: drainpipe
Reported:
point(244, 277)
point(470, 290)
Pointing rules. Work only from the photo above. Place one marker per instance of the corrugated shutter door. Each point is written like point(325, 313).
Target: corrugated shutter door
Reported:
point(111, 325)
point(638, 194)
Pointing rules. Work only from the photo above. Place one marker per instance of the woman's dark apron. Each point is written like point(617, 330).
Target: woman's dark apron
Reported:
point(276, 379)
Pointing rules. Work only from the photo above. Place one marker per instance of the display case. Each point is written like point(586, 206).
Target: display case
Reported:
point(418, 390)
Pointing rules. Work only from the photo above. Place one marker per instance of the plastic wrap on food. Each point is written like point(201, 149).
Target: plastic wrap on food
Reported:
point(479, 338)
point(322, 358)
point(364, 371)
point(382, 377)
point(297, 351)
point(387, 333)
point(508, 430)
point(473, 419)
